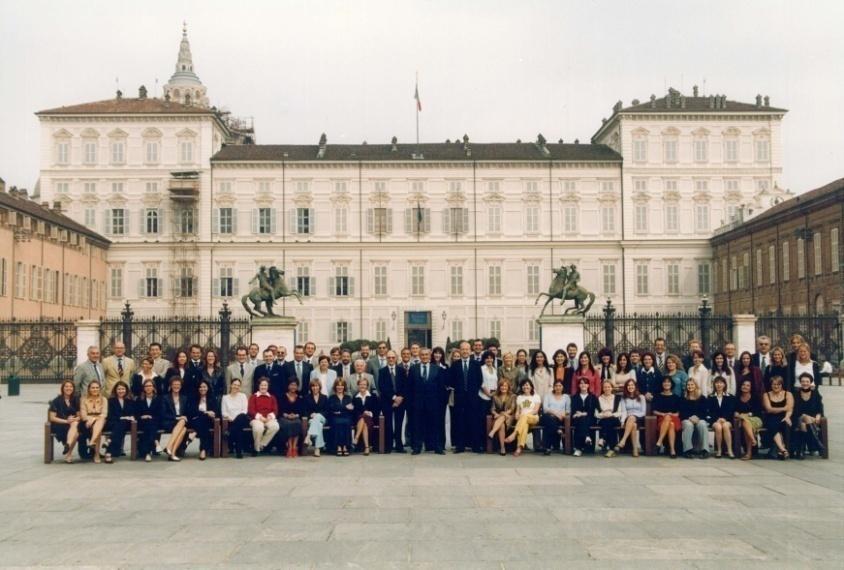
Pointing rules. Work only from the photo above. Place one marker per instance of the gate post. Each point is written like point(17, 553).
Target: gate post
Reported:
point(127, 314)
point(225, 334)
point(609, 326)
point(744, 333)
point(705, 312)
point(87, 334)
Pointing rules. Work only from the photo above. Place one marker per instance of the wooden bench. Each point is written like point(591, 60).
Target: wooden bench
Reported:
point(535, 430)
point(215, 446)
point(49, 440)
point(738, 437)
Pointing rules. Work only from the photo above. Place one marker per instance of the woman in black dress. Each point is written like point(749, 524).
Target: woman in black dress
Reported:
point(290, 417)
point(583, 406)
point(121, 413)
point(64, 415)
point(148, 415)
point(777, 367)
point(203, 409)
point(666, 408)
point(778, 405)
point(340, 410)
point(808, 411)
point(174, 419)
point(213, 374)
point(366, 412)
point(146, 373)
point(178, 370)
point(722, 410)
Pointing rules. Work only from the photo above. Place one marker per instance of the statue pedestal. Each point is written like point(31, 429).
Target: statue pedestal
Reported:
point(556, 331)
point(280, 331)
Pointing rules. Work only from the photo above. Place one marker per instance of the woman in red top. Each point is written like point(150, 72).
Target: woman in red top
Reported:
point(586, 370)
point(263, 409)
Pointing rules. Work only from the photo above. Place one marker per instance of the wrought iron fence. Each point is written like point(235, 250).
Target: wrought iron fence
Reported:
point(822, 332)
point(222, 334)
point(622, 333)
point(37, 350)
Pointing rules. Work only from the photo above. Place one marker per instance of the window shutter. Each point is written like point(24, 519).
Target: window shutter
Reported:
point(141, 289)
point(160, 221)
point(291, 222)
point(312, 288)
point(369, 221)
point(215, 288)
point(465, 227)
point(426, 220)
point(273, 214)
point(331, 290)
point(447, 220)
point(351, 286)
point(234, 220)
point(408, 221)
point(143, 218)
point(311, 221)
point(215, 224)
point(107, 224)
point(389, 224)
point(195, 289)
point(235, 286)
point(255, 221)
point(126, 225)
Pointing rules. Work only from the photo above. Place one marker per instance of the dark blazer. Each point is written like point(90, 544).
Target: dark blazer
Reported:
point(427, 394)
point(792, 375)
point(318, 406)
point(337, 407)
point(699, 408)
point(726, 410)
point(372, 405)
point(168, 408)
point(588, 405)
point(217, 381)
point(811, 407)
point(276, 376)
point(338, 368)
point(386, 387)
point(193, 374)
point(153, 409)
point(137, 386)
point(770, 372)
point(285, 406)
point(114, 411)
point(649, 382)
point(211, 401)
point(465, 389)
point(289, 371)
point(189, 382)
point(754, 375)
point(754, 359)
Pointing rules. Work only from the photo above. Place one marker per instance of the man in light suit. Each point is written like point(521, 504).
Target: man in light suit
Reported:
point(254, 357)
point(298, 368)
point(241, 370)
point(87, 371)
point(160, 364)
point(377, 361)
point(361, 373)
point(117, 367)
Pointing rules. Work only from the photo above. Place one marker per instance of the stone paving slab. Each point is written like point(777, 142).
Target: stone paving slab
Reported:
point(459, 511)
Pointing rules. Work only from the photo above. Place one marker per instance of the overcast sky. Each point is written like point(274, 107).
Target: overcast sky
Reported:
point(495, 70)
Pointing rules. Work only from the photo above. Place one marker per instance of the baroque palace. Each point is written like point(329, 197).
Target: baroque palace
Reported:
point(411, 242)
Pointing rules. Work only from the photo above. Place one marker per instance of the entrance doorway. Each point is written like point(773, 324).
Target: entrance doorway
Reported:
point(417, 327)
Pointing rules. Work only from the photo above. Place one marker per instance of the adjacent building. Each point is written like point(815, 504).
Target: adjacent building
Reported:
point(785, 261)
point(407, 241)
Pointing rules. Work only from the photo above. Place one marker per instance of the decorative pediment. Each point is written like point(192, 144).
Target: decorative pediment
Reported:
point(701, 132)
point(671, 132)
point(89, 198)
point(302, 199)
point(762, 132)
point(186, 134)
point(151, 199)
point(151, 133)
point(90, 134)
point(62, 134)
point(732, 196)
point(731, 132)
point(640, 197)
point(671, 195)
point(640, 132)
point(117, 200)
point(118, 134)
point(701, 196)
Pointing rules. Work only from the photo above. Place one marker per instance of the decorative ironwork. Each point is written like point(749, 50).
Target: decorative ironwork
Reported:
point(37, 351)
point(822, 332)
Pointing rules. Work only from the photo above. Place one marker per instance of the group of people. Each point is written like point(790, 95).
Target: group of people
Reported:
point(334, 402)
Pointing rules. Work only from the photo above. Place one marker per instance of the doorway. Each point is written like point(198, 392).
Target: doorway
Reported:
point(417, 328)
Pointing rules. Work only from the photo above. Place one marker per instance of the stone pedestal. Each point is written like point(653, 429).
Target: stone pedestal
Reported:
point(744, 333)
point(280, 331)
point(556, 331)
point(87, 334)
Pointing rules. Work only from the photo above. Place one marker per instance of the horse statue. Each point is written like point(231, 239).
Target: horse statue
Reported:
point(271, 286)
point(566, 287)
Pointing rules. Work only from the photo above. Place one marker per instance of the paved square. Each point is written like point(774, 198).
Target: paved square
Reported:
point(464, 511)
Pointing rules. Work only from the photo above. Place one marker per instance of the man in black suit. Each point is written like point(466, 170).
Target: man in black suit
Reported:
point(465, 378)
point(762, 356)
point(392, 382)
point(428, 385)
point(730, 354)
point(299, 368)
point(406, 363)
point(193, 372)
point(478, 350)
point(272, 371)
point(344, 368)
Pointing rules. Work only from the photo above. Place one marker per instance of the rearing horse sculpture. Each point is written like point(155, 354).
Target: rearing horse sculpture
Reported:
point(565, 287)
point(271, 286)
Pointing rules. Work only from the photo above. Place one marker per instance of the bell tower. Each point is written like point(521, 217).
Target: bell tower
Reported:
point(184, 85)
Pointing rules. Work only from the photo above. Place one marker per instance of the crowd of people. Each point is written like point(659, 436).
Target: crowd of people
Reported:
point(334, 402)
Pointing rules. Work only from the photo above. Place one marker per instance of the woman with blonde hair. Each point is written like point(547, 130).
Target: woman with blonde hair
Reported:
point(93, 410)
point(635, 407)
point(508, 369)
point(503, 410)
point(694, 409)
point(777, 367)
point(674, 370)
point(527, 414)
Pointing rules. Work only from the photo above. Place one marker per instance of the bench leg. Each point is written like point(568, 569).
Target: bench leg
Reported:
point(381, 428)
point(486, 434)
point(133, 441)
point(825, 437)
point(650, 435)
point(216, 449)
point(224, 429)
point(48, 444)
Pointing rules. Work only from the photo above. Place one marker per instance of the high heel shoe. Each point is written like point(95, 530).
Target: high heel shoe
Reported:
point(366, 450)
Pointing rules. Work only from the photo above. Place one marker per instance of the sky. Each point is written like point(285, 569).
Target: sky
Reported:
point(497, 71)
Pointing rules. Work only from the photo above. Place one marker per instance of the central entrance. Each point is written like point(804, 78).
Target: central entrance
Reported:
point(417, 328)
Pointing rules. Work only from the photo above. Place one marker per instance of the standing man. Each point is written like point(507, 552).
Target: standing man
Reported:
point(414, 353)
point(280, 353)
point(660, 355)
point(241, 370)
point(253, 358)
point(365, 351)
point(379, 361)
point(299, 368)
point(193, 372)
point(310, 354)
point(334, 359)
point(87, 371)
point(346, 367)
point(494, 351)
point(160, 364)
point(730, 355)
point(117, 367)
point(571, 350)
point(359, 374)
point(427, 382)
point(274, 373)
point(405, 364)
point(392, 382)
point(465, 378)
point(478, 350)
point(762, 357)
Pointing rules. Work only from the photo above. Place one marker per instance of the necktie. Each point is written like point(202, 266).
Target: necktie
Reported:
point(762, 363)
point(120, 366)
point(465, 375)
point(659, 361)
point(299, 371)
point(97, 372)
point(425, 372)
point(393, 377)
point(242, 372)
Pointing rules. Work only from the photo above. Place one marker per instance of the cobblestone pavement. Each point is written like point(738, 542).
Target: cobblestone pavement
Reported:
point(460, 511)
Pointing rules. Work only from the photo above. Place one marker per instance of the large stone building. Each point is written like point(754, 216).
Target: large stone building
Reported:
point(50, 265)
point(785, 261)
point(427, 241)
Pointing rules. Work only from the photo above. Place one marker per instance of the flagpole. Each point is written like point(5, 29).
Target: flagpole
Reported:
point(417, 108)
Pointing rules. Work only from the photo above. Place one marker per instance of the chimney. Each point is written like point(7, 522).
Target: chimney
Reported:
point(2, 185)
point(758, 100)
point(723, 101)
point(767, 101)
point(394, 141)
point(119, 94)
point(712, 101)
point(695, 91)
point(653, 101)
point(576, 141)
point(57, 207)
point(635, 102)
point(142, 92)
point(466, 148)
point(45, 205)
point(323, 140)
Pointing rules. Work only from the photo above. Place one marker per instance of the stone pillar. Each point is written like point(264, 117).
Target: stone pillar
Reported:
point(280, 331)
point(87, 334)
point(556, 331)
point(744, 333)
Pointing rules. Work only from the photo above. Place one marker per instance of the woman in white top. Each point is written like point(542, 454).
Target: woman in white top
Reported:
point(610, 414)
point(489, 385)
point(700, 374)
point(324, 374)
point(234, 409)
point(540, 374)
point(623, 372)
point(527, 414)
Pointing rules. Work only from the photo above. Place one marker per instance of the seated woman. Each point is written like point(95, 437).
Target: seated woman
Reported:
point(367, 409)
point(234, 408)
point(745, 370)
point(148, 415)
point(635, 407)
point(666, 408)
point(778, 405)
point(609, 413)
point(503, 410)
point(749, 415)
point(527, 414)
point(315, 409)
point(555, 407)
point(694, 409)
point(263, 411)
point(722, 408)
point(674, 370)
point(583, 406)
point(340, 413)
point(174, 419)
point(146, 373)
point(93, 409)
point(64, 415)
point(290, 417)
point(203, 409)
point(808, 411)
point(121, 414)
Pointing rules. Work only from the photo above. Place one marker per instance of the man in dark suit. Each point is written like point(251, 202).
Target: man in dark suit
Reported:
point(273, 371)
point(730, 355)
point(193, 372)
point(344, 368)
point(392, 382)
point(299, 368)
point(762, 356)
point(406, 363)
point(465, 378)
point(477, 350)
point(428, 384)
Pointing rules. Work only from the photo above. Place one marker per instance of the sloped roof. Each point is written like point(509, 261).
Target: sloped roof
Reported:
point(36, 210)
point(128, 106)
point(699, 105)
point(526, 151)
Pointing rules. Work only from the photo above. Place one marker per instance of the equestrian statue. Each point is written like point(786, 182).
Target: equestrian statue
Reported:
point(566, 287)
point(270, 286)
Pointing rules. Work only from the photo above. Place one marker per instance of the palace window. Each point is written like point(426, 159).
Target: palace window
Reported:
point(772, 264)
point(817, 244)
point(341, 220)
point(151, 221)
point(704, 278)
point(305, 284)
point(379, 221)
point(457, 330)
point(532, 272)
point(608, 277)
point(417, 220)
point(379, 284)
point(116, 283)
point(494, 222)
point(641, 279)
point(641, 221)
point(672, 224)
point(417, 280)
point(673, 274)
point(303, 218)
point(341, 284)
point(456, 281)
point(455, 221)
point(341, 332)
point(495, 329)
point(151, 151)
point(151, 283)
point(187, 282)
point(833, 250)
point(380, 330)
point(494, 280)
point(226, 285)
point(786, 262)
point(669, 150)
point(116, 222)
point(640, 149)
point(533, 330)
point(226, 221)
point(730, 150)
point(532, 219)
point(607, 219)
point(570, 219)
point(702, 217)
point(801, 259)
